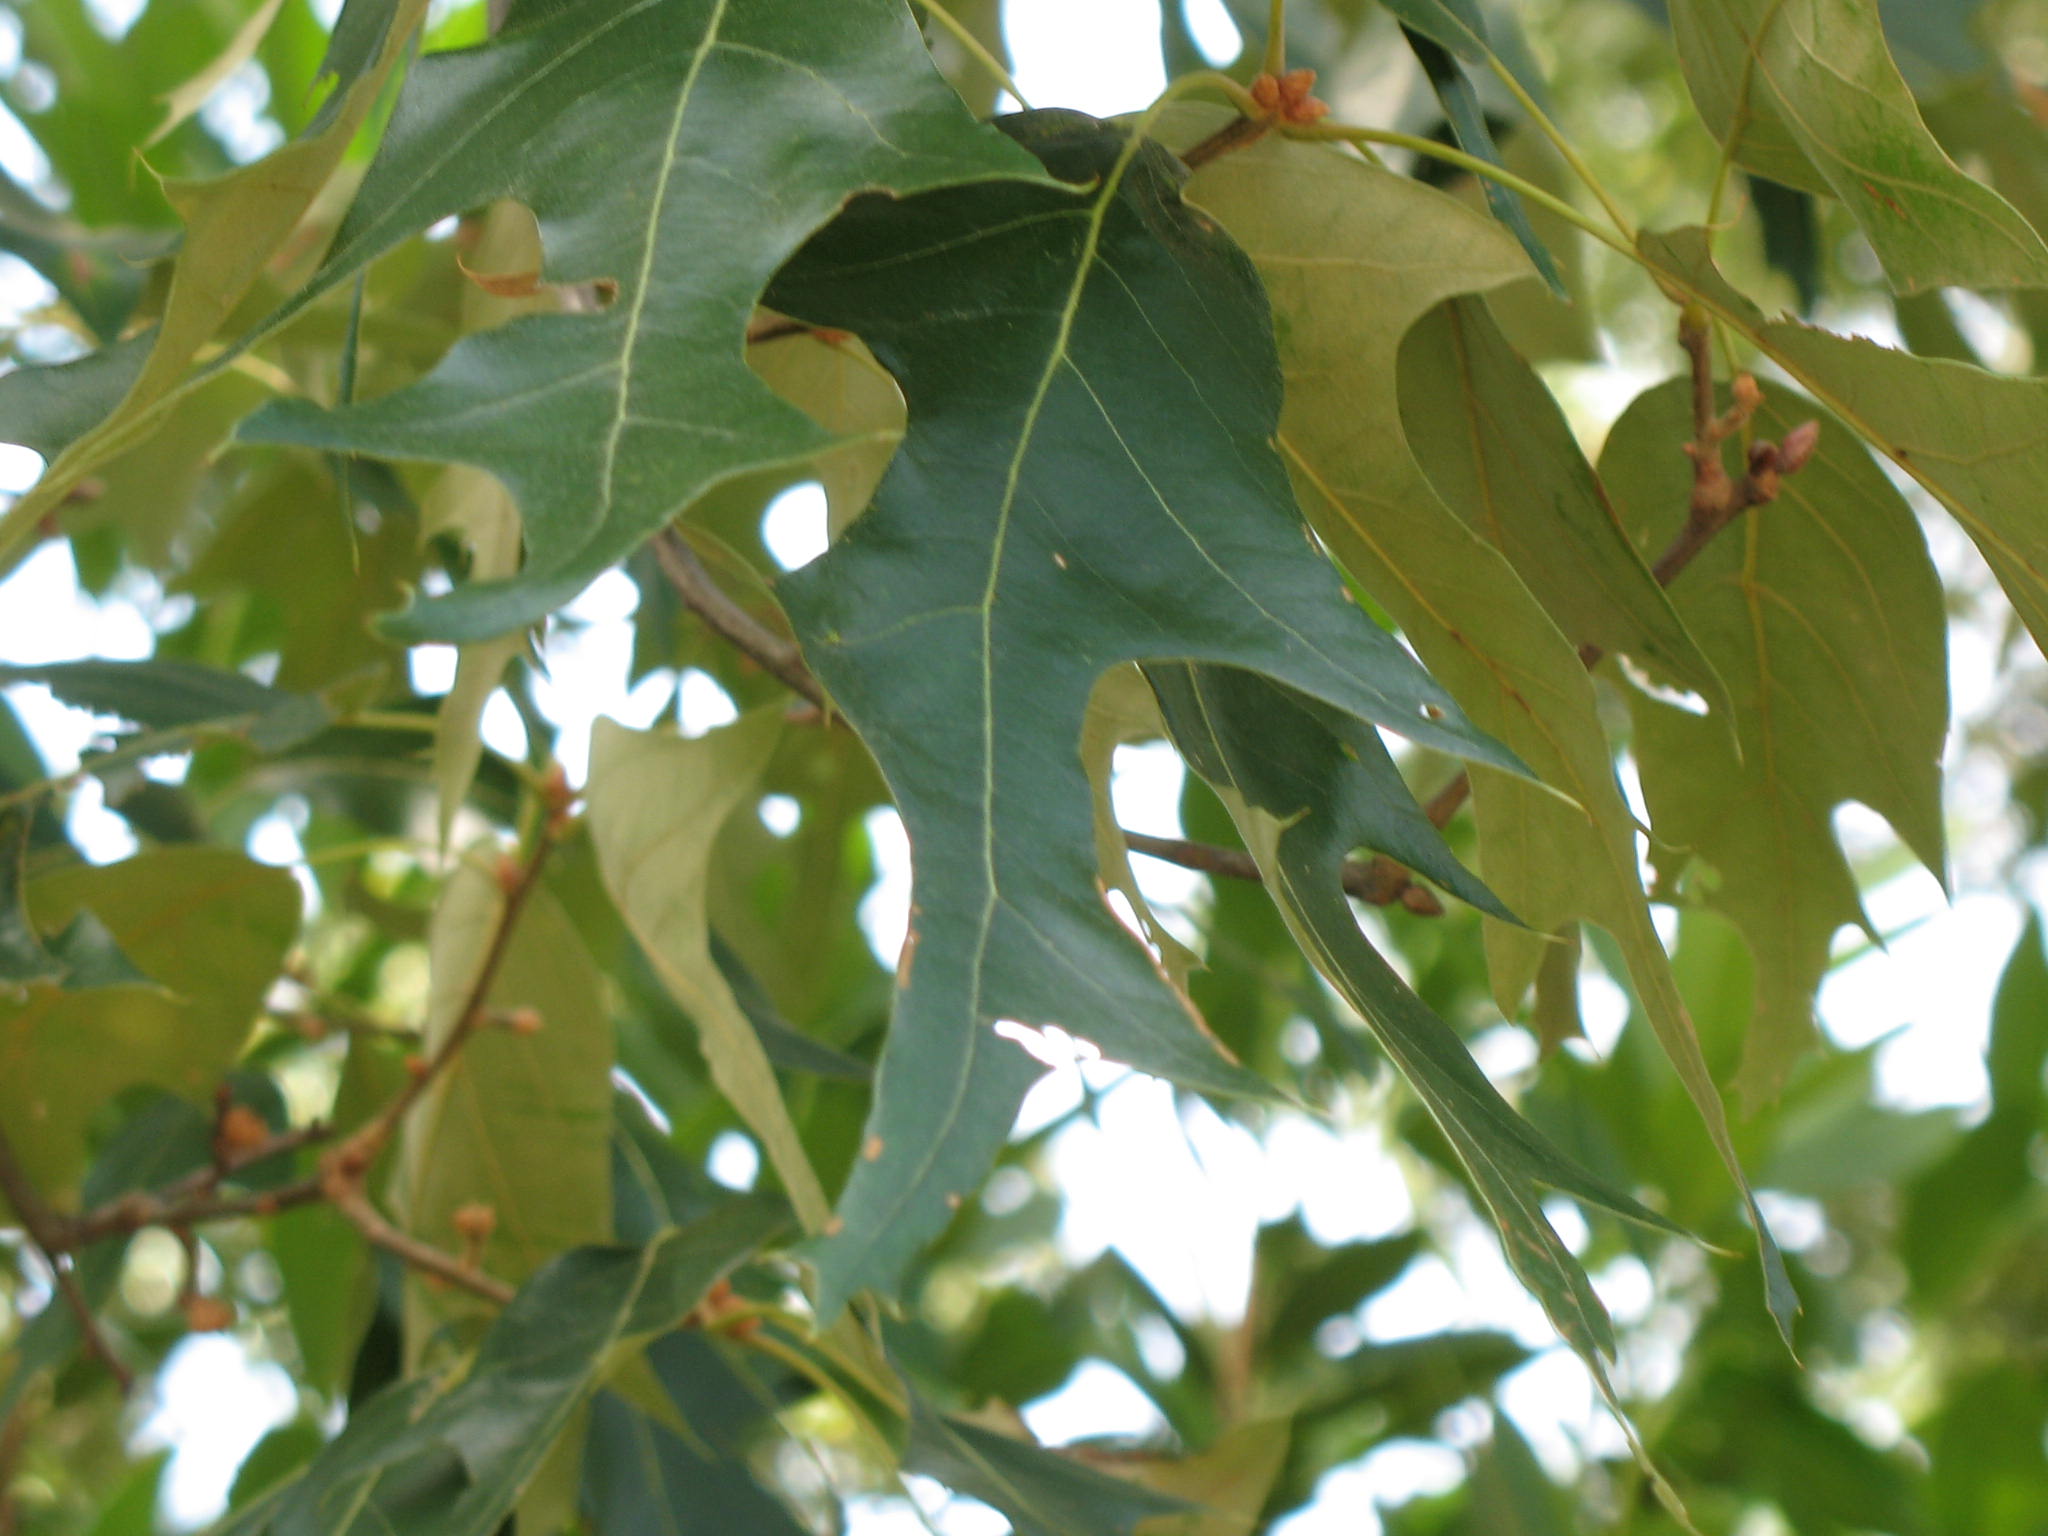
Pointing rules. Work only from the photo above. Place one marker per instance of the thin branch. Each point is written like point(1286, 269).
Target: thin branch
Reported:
point(346, 1193)
point(360, 1150)
point(40, 1223)
point(1378, 882)
point(732, 623)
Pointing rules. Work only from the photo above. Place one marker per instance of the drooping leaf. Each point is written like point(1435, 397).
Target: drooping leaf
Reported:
point(1972, 439)
point(475, 508)
point(657, 803)
point(1498, 450)
point(1303, 804)
point(1806, 93)
point(208, 927)
point(1040, 1492)
point(434, 1459)
point(185, 101)
point(165, 695)
point(1825, 615)
point(1087, 479)
point(1347, 286)
point(234, 225)
point(626, 127)
point(521, 1122)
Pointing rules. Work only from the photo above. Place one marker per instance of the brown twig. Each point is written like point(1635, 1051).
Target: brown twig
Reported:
point(41, 1225)
point(1378, 882)
point(344, 1170)
point(1235, 134)
point(196, 1198)
point(349, 1197)
point(732, 623)
point(1271, 100)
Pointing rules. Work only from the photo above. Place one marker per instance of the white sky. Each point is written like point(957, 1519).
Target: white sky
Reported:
point(1178, 1191)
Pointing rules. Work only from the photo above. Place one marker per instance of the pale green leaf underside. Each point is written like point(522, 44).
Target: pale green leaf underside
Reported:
point(519, 1122)
point(1498, 450)
point(1825, 614)
point(657, 803)
point(1976, 441)
point(1807, 94)
point(632, 130)
point(435, 1460)
point(81, 414)
point(1347, 285)
point(208, 927)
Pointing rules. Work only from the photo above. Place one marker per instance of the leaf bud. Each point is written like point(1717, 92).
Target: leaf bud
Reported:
point(240, 1130)
point(1798, 447)
point(207, 1314)
point(474, 1222)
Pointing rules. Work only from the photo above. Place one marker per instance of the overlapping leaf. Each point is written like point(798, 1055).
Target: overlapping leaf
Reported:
point(632, 130)
point(453, 1461)
point(521, 1122)
point(1348, 280)
point(1805, 92)
point(208, 927)
point(1500, 453)
point(1303, 802)
point(233, 227)
point(1825, 615)
point(165, 695)
point(1087, 479)
point(657, 804)
point(1041, 1492)
point(1976, 441)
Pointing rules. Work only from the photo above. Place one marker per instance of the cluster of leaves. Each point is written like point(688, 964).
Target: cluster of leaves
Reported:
point(1156, 429)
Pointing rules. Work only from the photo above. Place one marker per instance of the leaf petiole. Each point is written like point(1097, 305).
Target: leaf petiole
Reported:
point(974, 49)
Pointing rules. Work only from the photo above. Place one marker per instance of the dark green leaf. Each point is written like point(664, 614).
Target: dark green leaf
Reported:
point(1468, 125)
point(180, 695)
point(433, 1459)
point(1041, 1492)
point(1791, 235)
point(631, 130)
point(1092, 395)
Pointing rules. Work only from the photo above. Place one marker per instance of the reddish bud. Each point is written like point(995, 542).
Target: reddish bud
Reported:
point(1798, 447)
point(474, 1222)
point(241, 1130)
point(207, 1314)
